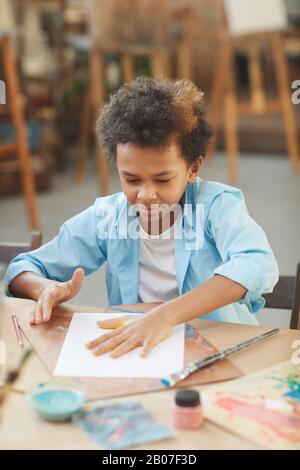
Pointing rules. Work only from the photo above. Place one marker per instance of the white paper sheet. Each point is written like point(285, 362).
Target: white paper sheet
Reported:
point(76, 361)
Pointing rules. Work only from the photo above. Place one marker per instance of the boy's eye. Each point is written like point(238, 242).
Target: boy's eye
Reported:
point(132, 181)
point(164, 181)
point(158, 181)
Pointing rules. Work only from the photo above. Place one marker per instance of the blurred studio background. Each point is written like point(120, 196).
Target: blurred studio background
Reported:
point(59, 62)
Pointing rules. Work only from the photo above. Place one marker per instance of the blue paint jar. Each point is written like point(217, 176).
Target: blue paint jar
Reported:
point(56, 401)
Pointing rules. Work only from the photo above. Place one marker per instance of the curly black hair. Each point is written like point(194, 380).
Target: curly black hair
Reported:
point(150, 112)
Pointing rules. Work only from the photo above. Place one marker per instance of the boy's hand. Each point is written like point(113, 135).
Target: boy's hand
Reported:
point(139, 330)
point(53, 295)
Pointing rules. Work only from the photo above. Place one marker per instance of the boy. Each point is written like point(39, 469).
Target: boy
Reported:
point(168, 237)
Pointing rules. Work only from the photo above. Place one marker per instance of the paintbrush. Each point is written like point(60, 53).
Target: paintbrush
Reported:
point(12, 376)
point(192, 367)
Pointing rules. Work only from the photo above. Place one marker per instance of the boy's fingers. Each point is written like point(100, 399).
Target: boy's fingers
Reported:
point(151, 342)
point(108, 345)
point(125, 348)
point(46, 308)
point(45, 304)
point(37, 316)
point(42, 311)
point(102, 339)
point(31, 318)
point(76, 281)
point(147, 347)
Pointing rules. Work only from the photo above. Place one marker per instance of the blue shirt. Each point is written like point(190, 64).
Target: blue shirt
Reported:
point(228, 242)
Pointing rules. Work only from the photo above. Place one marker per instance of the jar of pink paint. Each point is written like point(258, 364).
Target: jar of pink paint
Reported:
point(187, 410)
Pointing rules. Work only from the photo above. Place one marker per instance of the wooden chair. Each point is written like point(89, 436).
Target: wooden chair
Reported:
point(10, 250)
point(286, 295)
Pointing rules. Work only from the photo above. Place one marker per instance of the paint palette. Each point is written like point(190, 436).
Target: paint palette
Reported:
point(263, 407)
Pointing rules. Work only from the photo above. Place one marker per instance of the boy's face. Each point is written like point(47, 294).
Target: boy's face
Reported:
point(154, 176)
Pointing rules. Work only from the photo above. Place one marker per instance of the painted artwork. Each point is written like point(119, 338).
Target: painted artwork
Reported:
point(121, 425)
point(263, 407)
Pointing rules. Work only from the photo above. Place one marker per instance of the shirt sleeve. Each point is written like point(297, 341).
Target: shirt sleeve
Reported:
point(244, 248)
point(76, 245)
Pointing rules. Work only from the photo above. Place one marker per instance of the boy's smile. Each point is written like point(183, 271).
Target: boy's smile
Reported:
point(154, 179)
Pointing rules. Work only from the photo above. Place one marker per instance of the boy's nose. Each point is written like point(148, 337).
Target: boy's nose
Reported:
point(146, 195)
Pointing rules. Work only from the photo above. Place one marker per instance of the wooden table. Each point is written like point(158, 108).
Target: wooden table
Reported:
point(20, 428)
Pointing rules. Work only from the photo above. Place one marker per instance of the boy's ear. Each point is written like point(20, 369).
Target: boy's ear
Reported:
point(194, 169)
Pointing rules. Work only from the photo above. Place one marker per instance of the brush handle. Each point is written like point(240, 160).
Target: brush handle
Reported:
point(197, 365)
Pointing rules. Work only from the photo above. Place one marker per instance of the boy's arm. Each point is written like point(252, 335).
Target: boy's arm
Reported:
point(248, 269)
point(75, 246)
point(244, 248)
point(29, 285)
point(54, 272)
point(157, 324)
point(211, 295)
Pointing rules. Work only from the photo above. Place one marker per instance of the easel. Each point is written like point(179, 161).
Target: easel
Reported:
point(95, 96)
point(20, 145)
point(224, 93)
point(159, 57)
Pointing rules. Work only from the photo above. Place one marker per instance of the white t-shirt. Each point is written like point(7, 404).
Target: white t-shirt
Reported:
point(157, 268)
